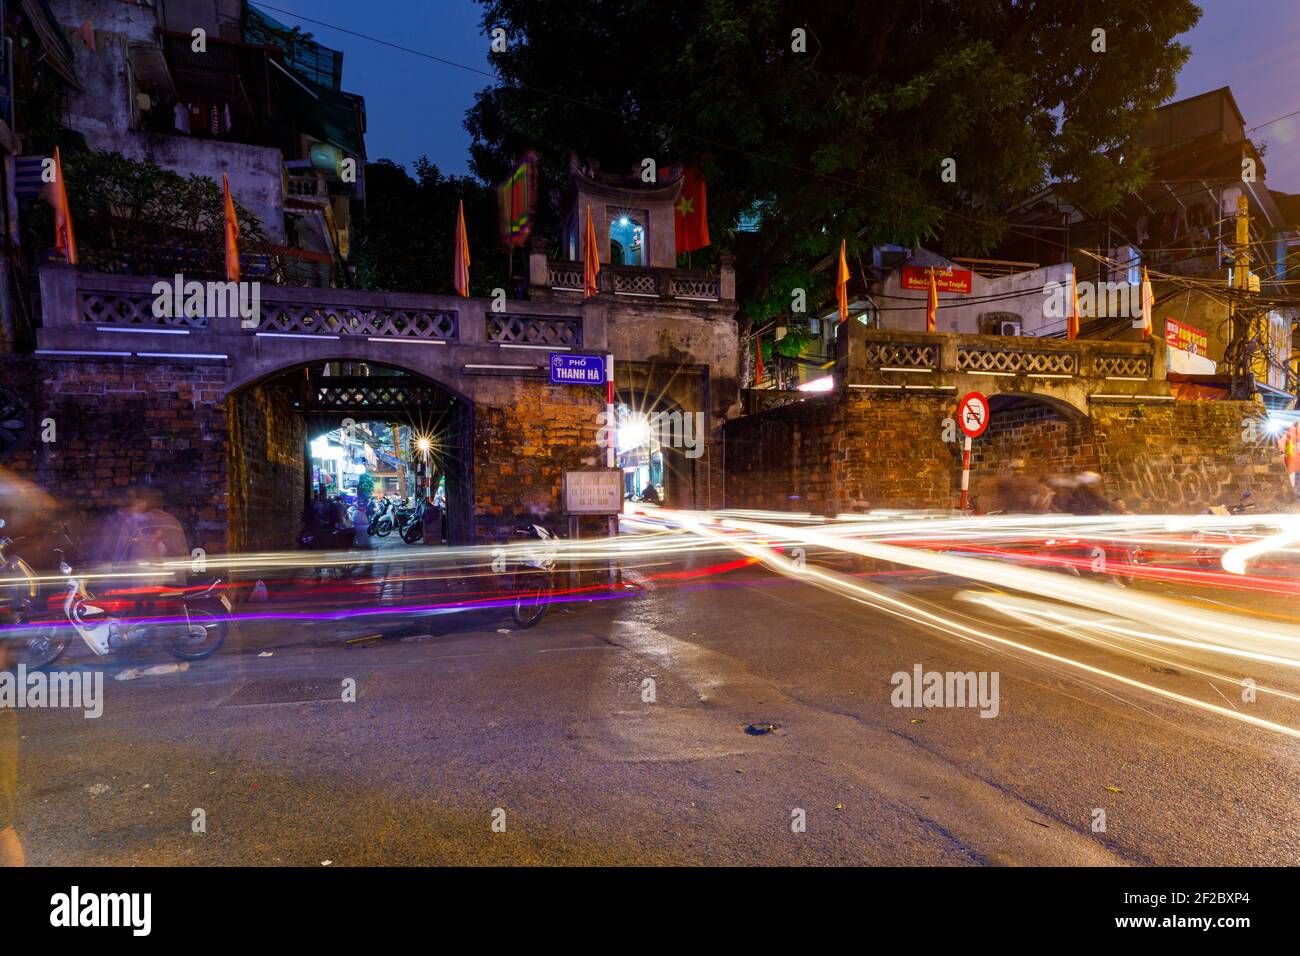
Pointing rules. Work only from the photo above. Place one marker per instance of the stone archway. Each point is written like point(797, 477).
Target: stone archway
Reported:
point(274, 417)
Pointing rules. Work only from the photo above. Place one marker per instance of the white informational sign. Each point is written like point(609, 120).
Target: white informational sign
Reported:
point(596, 492)
point(1189, 363)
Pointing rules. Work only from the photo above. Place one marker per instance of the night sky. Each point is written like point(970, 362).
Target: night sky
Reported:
point(415, 106)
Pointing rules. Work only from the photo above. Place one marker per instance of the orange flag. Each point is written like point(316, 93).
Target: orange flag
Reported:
point(591, 261)
point(461, 277)
point(64, 240)
point(842, 286)
point(1148, 303)
point(931, 303)
point(232, 233)
point(758, 360)
point(1072, 322)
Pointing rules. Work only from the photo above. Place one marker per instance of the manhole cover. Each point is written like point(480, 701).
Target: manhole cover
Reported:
point(294, 690)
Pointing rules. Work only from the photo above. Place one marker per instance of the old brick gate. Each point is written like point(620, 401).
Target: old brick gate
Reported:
point(884, 438)
point(189, 403)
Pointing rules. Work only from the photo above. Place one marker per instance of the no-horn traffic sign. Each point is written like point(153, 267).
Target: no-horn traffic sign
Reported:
point(973, 414)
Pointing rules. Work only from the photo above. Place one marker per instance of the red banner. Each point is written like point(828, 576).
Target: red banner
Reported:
point(948, 280)
point(1186, 337)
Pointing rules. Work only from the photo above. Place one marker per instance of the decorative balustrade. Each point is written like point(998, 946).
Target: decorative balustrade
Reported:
point(556, 331)
point(907, 355)
point(130, 307)
point(287, 316)
point(1122, 366)
point(764, 399)
point(1017, 360)
point(638, 281)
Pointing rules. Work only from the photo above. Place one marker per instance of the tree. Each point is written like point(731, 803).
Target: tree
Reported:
point(407, 234)
point(137, 218)
point(841, 131)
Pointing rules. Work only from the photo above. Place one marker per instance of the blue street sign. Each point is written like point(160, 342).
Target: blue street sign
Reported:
point(570, 369)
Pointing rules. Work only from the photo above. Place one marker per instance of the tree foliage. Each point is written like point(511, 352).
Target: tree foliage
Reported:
point(137, 218)
point(847, 139)
point(406, 239)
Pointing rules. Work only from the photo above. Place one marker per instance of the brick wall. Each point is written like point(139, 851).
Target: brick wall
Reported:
point(843, 452)
point(125, 422)
point(267, 463)
point(527, 433)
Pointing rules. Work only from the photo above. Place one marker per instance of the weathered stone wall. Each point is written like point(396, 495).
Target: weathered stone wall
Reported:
point(843, 452)
point(1183, 457)
point(267, 463)
point(527, 433)
point(123, 422)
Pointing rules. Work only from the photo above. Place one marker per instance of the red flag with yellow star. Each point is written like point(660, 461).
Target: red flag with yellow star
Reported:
point(690, 215)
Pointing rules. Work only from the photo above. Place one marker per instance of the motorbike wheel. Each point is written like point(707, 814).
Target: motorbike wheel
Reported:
point(207, 632)
point(413, 532)
point(532, 593)
point(384, 526)
point(38, 647)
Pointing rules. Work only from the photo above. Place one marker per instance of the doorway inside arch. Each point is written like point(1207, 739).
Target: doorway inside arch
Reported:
point(343, 435)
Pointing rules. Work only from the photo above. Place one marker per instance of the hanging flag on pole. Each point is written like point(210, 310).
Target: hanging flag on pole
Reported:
point(591, 261)
point(1072, 322)
point(758, 360)
point(690, 215)
point(64, 240)
point(1148, 304)
point(232, 232)
point(931, 303)
point(461, 273)
point(842, 285)
point(86, 32)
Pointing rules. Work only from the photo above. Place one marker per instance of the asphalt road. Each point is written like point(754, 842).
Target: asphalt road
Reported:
point(455, 720)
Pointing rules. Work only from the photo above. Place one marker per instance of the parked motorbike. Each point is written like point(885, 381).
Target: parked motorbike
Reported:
point(411, 525)
point(192, 622)
point(381, 519)
point(532, 579)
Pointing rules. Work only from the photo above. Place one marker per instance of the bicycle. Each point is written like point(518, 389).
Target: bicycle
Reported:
point(532, 580)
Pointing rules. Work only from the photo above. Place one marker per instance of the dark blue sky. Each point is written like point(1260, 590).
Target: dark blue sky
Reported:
point(415, 105)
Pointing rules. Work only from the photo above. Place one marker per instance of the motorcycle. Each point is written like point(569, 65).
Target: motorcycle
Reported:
point(1209, 558)
point(191, 620)
point(411, 525)
point(532, 580)
point(381, 519)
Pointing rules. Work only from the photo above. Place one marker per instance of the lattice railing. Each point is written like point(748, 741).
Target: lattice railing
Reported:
point(694, 287)
point(567, 275)
point(347, 320)
point(534, 330)
point(901, 355)
point(1017, 361)
point(634, 282)
point(103, 307)
point(1123, 366)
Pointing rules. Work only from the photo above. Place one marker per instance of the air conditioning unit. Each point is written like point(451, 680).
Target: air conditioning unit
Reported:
point(1008, 327)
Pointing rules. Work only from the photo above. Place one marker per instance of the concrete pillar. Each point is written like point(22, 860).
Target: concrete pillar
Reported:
point(539, 274)
point(727, 278)
point(59, 296)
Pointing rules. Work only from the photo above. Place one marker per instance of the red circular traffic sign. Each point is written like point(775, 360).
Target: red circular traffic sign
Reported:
point(973, 414)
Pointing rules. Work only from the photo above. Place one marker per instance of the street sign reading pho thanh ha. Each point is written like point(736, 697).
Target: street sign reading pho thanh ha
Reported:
point(598, 491)
point(569, 368)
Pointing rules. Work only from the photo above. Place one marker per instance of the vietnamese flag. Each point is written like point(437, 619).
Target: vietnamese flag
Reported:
point(931, 303)
point(461, 277)
point(591, 261)
point(690, 215)
point(1148, 303)
point(64, 240)
point(758, 360)
point(232, 233)
point(842, 285)
point(1072, 322)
